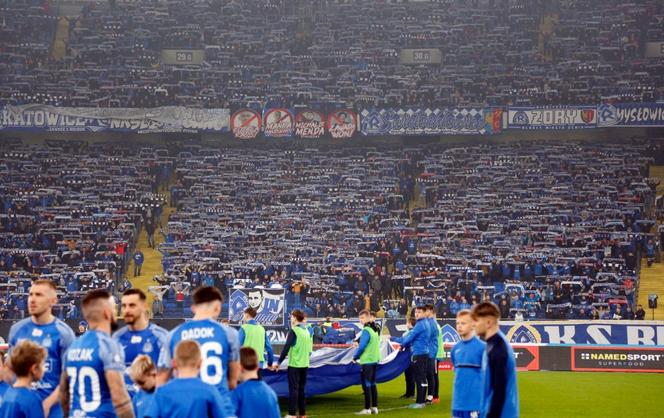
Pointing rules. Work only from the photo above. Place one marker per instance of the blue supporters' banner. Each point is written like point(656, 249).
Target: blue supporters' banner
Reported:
point(649, 333)
point(630, 114)
point(424, 122)
point(137, 120)
point(278, 122)
point(269, 304)
point(332, 369)
point(566, 117)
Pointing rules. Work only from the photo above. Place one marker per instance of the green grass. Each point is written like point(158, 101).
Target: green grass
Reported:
point(542, 394)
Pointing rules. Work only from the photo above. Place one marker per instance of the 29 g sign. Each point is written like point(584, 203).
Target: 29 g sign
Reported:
point(184, 56)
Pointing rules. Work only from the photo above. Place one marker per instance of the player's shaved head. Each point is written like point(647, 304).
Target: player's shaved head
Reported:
point(95, 305)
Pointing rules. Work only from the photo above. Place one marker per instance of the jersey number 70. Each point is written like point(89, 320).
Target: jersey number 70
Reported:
point(85, 374)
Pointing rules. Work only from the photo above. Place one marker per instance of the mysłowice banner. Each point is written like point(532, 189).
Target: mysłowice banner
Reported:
point(630, 114)
point(92, 119)
point(564, 117)
point(419, 121)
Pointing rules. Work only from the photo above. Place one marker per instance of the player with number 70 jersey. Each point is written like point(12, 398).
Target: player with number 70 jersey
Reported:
point(86, 363)
point(220, 347)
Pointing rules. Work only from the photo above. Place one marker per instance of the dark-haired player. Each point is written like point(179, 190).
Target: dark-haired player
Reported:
point(139, 336)
point(252, 334)
point(253, 397)
point(500, 398)
point(298, 347)
point(220, 350)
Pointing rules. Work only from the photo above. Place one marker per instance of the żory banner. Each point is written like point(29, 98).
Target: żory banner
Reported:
point(138, 120)
point(565, 117)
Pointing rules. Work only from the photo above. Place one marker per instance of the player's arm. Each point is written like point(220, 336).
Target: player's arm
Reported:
point(498, 370)
point(51, 400)
point(64, 394)
point(233, 374)
point(240, 336)
point(233, 357)
point(364, 341)
point(119, 395)
point(291, 339)
point(270, 352)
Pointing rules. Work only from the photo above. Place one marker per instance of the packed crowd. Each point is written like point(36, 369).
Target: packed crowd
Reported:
point(545, 231)
point(71, 213)
point(282, 52)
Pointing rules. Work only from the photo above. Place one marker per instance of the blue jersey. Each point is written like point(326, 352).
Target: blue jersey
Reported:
point(21, 403)
point(467, 362)
point(86, 363)
point(3, 388)
point(149, 341)
point(417, 338)
point(142, 402)
point(254, 398)
point(433, 338)
point(56, 337)
point(189, 398)
point(500, 396)
point(219, 346)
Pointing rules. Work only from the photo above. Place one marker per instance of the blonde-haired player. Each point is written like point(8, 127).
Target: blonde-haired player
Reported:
point(143, 373)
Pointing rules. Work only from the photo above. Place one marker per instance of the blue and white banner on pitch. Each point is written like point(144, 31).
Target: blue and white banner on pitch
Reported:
point(630, 114)
point(426, 122)
point(92, 119)
point(569, 117)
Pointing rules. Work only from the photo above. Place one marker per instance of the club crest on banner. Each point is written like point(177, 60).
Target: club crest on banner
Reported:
point(450, 335)
point(607, 115)
point(524, 334)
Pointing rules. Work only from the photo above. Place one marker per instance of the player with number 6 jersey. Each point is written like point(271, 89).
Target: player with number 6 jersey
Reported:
point(220, 348)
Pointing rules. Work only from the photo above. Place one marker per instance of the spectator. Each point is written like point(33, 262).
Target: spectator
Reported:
point(138, 262)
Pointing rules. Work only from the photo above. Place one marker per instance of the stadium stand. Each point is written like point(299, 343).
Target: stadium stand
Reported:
point(71, 215)
point(327, 54)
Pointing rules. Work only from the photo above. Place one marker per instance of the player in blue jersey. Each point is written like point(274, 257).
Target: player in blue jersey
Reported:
point(3, 377)
point(418, 339)
point(187, 395)
point(467, 361)
point(139, 336)
point(500, 397)
point(49, 332)
point(253, 397)
point(143, 373)
point(219, 343)
point(92, 383)
point(432, 365)
point(20, 401)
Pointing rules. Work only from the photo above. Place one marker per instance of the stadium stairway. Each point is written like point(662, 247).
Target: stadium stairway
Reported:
point(652, 278)
point(152, 258)
point(546, 28)
point(59, 48)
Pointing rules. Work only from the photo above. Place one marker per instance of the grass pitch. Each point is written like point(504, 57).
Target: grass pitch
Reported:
point(542, 394)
